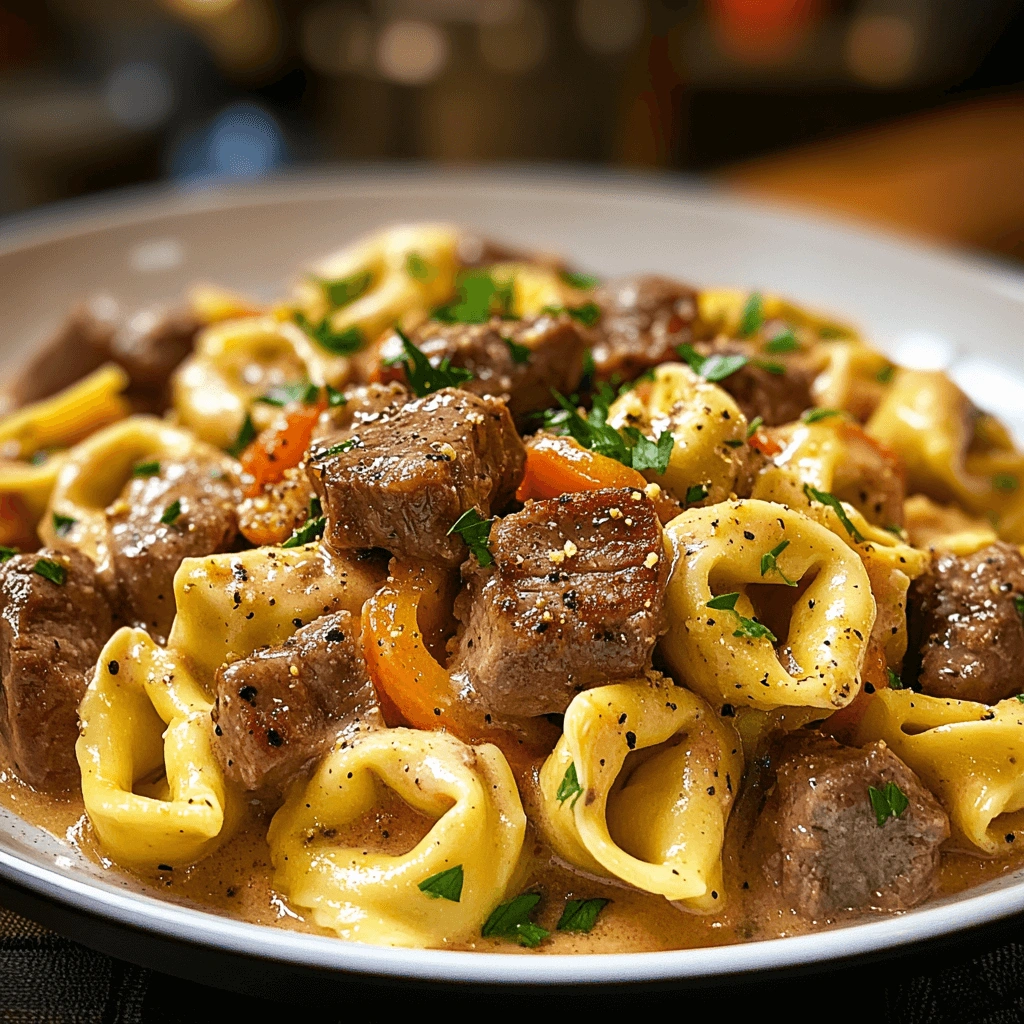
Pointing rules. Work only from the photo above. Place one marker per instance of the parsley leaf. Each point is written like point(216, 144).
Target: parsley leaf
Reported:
point(304, 391)
point(715, 367)
point(475, 531)
point(345, 290)
point(784, 341)
point(770, 366)
point(580, 281)
point(885, 374)
point(7, 553)
point(588, 314)
point(1005, 482)
point(814, 415)
point(830, 333)
point(519, 353)
point(422, 376)
point(769, 563)
point(824, 498)
point(312, 529)
point(581, 915)
point(754, 426)
point(752, 317)
point(419, 269)
point(1018, 603)
point(589, 370)
point(445, 885)
point(888, 802)
point(648, 454)
point(171, 513)
point(895, 683)
point(478, 298)
point(569, 786)
point(340, 343)
point(336, 449)
point(151, 468)
point(51, 570)
point(698, 492)
point(246, 436)
point(62, 524)
point(512, 921)
point(335, 398)
point(751, 629)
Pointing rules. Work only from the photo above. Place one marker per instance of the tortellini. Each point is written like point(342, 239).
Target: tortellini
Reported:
point(639, 788)
point(720, 311)
point(945, 528)
point(373, 897)
point(970, 755)
point(153, 789)
point(230, 604)
point(705, 422)
point(721, 550)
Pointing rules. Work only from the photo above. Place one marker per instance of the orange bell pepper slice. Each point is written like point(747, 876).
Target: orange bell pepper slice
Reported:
point(282, 445)
point(396, 627)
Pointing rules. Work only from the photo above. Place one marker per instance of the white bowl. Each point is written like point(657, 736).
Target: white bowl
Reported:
point(921, 305)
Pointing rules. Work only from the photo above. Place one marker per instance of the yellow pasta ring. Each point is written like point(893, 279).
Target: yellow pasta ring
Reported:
point(366, 896)
point(639, 788)
point(144, 716)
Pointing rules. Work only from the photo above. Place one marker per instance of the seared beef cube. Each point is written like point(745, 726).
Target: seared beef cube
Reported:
point(830, 853)
point(148, 540)
point(406, 475)
point(966, 633)
point(574, 599)
point(520, 359)
point(282, 707)
point(775, 397)
point(51, 634)
point(643, 320)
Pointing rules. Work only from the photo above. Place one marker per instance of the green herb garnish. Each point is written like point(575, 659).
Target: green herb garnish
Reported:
point(755, 424)
point(895, 683)
point(885, 374)
point(888, 802)
point(784, 341)
point(1018, 603)
point(583, 282)
point(829, 333)
point(824, 498)
point(345, 290)
point(814, 415)
point(337, 449)
point(445, 885)
point(62, 524)
point(569, 786)
point(581, 915)
point(7, 553)
point(749, 628)
point(422, 376)
point(589, 370)
point(695, 493)
point(335, 398)
point(512, 921)
point(51, 570)
point(1005, 482)
point(478, 298)
point(770, 366)
point(519, 353)
point(304, 391)
point(752, 317)
point(311, 530)
point(418, 268)
point(587, 314)
point(475, 531)
point(769, 563)
point(340, 343)
point(171, 513)
point(151, 468)
point(246, 436)
point(715, 367)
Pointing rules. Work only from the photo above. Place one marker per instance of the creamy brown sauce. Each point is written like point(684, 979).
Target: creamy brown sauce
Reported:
point(236, 880)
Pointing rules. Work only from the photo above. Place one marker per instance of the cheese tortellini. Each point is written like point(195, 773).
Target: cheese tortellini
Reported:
point(374, 897)
point(639, 788)
point(153, 789)
point(970, 755)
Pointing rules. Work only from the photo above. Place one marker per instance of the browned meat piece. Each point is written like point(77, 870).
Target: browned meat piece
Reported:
point(830, 853)
point(50, 638)
point(643, 320)
point(413, 469)
point(574, 599)
point(520, 359)
point(871, 477)
point(146, 551)
point(278, 510)
point(282, 707)
point(775, 397)
point(966, 634)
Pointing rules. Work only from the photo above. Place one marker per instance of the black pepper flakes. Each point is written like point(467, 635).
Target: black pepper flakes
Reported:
point(113, 668)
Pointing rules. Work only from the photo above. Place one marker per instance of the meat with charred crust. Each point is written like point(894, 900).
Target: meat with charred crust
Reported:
point(282, 707)
point(574, 599)
point(966, 632)
point(51, 634)
point(830, 852)
point(400, 480)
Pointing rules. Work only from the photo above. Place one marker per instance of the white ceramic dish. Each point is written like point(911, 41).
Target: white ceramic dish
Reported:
point(921, 305)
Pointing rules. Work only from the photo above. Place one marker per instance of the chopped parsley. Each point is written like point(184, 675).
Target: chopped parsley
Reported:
point(828, 332)
point(751, 629)
point(770, 366)
point(1005, 482)
point(769, 563)
point(512, 921)
point(335, 398)
point(419, 269)
point(1018, 603)
point(885, 374)
point(346, 289)
point(312, 529)
point(151, 468)
point(895, 683)
point(445, 885)
point(7, 553)
point(715, 367)
point(888, 802)
point(337, 449)
point(695, 493)
point(752, 317)
point(475, 531)
point(246, 436)
point(1020, 698)
point(340, 343)
point(581, 281)
point(478, 298)
point(589, 370)
point(422, 376)
point(171, 513)
point(304, 391)
point(754, 426)
point(51, 570)
point(581, 915)
point(824, 498)
point(587, 314)
point(784, 341)
point(570, 786)
point(519, 353)
point(62, 524)
point(814, 415)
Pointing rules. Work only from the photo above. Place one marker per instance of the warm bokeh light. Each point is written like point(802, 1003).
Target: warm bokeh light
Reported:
point(411, 52)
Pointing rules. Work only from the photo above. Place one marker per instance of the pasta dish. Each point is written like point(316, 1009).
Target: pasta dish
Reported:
point(462, 599)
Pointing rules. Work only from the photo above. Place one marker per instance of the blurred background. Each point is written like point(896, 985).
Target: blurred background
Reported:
point(905, 112)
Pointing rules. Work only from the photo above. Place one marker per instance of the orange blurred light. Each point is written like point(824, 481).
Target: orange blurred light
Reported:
point(762, 31)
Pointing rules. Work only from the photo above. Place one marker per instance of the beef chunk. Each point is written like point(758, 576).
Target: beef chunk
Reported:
point(413, 469)
point(50, 638)
point(775, 397)
point(830, 853)
point(146, 552)
point(574, 599)
point(282, 707)
point(520, 359)
point(966, 634)
point(643, 319)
